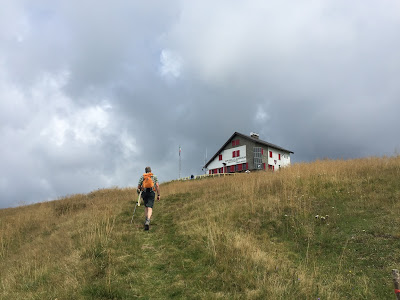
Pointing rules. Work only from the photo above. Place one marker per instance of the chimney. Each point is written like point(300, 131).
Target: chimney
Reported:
point(254, 135)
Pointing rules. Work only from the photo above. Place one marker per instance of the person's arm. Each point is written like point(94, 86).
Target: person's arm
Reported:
point(139, 187)
point(158, 191)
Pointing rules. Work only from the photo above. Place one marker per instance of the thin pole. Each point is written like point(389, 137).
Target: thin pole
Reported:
point(180, 163)
point(396, 280)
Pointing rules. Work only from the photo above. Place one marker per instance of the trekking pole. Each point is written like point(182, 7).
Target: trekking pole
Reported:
point(137, 204)
point(396, 280)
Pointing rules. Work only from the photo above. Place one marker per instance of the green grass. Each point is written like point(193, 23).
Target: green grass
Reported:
point(250, 236)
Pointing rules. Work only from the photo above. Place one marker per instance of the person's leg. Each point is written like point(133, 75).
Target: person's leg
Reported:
point(149, 212)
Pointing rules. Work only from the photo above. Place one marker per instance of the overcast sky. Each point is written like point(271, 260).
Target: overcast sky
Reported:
point(91, 93)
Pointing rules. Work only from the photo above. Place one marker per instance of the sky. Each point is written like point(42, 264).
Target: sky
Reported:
point(91, 94)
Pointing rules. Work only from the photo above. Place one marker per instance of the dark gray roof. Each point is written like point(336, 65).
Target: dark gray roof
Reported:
point(248, 138)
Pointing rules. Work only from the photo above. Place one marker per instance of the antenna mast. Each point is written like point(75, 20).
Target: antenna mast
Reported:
point(205, 161)
point(180, 164)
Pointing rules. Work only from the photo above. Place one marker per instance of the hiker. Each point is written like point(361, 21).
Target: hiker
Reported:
point(148, 184)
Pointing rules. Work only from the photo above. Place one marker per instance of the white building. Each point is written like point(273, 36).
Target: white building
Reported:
point(247, 152)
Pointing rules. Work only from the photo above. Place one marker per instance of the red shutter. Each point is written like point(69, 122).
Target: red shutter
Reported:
point(279, 156)
point(264, 166)
point(220, 157)
point(232, 169)
point(240, 167)
point(233, 153)
point(238, 153)
point(233, 143)
point(270, 153)
point(262, 151)
point(209, 172)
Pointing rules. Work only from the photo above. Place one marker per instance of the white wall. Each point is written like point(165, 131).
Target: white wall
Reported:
point(274, 160)
point(228, 159)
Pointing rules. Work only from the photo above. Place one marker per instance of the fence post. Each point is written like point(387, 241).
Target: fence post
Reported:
point(396, 280)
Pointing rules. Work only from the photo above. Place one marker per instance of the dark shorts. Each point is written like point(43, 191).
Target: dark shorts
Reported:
point(148, 198)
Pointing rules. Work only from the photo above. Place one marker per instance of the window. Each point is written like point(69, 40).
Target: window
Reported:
point(240, 167)
point(244, 166)
point(235, 143)
point(270, 153)
point(221, 170)
point(279, 156)
point(232, 169)
point(257, 158)
point(220, 157)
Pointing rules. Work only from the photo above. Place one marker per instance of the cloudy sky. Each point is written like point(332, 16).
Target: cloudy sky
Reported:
point(92, 93)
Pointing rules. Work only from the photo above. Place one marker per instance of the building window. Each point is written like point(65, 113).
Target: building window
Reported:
point(220, 157)
point(221, 170)
point(235, 143)
point(240, 167)
point(270, 153)
point(232, 169)
point(257, 158)
point(244, 166)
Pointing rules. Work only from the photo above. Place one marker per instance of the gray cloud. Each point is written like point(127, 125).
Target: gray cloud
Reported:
point(90, 95)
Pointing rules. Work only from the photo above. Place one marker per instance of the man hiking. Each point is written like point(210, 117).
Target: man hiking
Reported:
point(148, 184)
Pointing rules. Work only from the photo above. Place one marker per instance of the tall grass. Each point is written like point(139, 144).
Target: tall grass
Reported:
point(327, 229)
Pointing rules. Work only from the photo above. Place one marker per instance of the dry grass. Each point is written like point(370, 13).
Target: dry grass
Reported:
point(249, 236)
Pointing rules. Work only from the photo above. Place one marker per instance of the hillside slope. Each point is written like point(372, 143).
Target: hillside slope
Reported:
point(327, 230)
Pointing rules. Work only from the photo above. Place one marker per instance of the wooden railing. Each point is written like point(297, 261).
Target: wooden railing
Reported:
point(206, 175)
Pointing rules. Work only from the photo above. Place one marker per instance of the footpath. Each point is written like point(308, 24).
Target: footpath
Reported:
point(155, 264)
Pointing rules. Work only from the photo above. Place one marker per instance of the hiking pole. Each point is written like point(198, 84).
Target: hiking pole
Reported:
point(137, 204)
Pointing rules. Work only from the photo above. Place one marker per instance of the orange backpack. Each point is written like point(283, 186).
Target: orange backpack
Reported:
point(147, 181)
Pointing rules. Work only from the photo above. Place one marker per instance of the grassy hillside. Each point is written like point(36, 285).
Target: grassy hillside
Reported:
point(248, 236)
